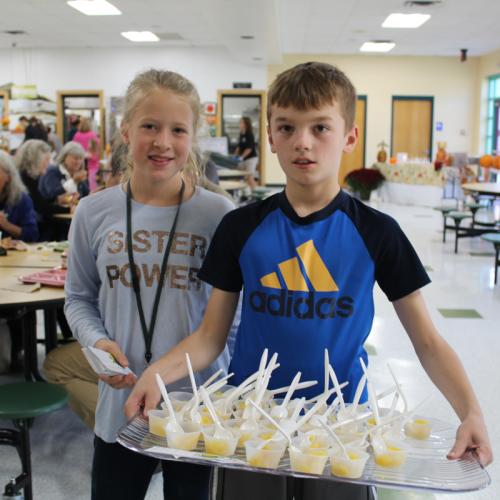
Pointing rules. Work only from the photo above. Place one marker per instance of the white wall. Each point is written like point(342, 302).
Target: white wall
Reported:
point(112, 69)
point(452, 83)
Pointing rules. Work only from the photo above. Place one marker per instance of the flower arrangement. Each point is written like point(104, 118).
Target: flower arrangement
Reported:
point(364, 181)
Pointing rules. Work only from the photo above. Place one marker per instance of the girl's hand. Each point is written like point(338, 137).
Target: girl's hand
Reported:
point(472, 437)
point(145, 396)
point(116, 381)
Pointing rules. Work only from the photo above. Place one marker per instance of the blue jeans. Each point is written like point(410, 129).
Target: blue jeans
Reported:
point(121, 474)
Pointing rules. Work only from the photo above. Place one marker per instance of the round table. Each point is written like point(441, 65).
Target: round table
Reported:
point(488, 188)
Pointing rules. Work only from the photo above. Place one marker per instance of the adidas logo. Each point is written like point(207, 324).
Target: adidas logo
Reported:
point(288, 303)
point(316, 271)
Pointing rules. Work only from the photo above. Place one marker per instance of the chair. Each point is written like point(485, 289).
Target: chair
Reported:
point(444, 212)
point(495, 239)
point(21, 402)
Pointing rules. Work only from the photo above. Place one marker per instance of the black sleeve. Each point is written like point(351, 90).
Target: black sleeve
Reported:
point(398, 269)
point(221, 267)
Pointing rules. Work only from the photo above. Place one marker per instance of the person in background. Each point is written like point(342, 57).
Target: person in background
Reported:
point(17, 215)
point(32, 160)
point(161, 115)
point(66, 182)
point(246, 150)
point(90, 143)
point(73, 127)
point(54, 141)
point(36, 130)
point(23, 122)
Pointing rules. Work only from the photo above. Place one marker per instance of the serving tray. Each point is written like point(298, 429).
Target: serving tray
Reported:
point(426, 467)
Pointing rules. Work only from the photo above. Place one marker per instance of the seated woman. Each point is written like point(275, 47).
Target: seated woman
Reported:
point(17, 216)
point(68, 178)
point(32, 160)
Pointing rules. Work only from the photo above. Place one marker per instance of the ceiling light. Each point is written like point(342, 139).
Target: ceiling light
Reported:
point(377, 46)
point(94, 7)
point(140, 36)
point(247, 37)
point(405, 20)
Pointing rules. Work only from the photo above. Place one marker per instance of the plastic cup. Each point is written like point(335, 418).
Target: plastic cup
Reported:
point(267, 456)
point(179, 399)
point(393, 456)
point(309, 461)
point(187, 440)
point(352, 467)
point(316, 438)
point(219, 446)
point(158, 420)
point(418, 428)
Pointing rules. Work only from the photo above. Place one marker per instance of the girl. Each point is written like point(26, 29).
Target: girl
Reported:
point(156, 217)
point(88, 139)
point(17, 217)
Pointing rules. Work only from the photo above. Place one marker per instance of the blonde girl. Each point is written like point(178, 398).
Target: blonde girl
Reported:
point(159, 224)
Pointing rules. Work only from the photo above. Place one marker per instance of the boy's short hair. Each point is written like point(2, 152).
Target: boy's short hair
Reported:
point(312, 85)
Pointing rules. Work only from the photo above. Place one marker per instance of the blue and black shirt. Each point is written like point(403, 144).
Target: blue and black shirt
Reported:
point(308, 283)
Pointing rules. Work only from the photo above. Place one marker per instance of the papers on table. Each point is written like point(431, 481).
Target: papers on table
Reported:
point(103, 363)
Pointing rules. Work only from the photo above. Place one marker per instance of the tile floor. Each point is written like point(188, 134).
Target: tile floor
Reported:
point(62, 445)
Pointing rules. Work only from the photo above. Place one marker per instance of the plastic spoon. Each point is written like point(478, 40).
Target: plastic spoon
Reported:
point(278, 426)
point(212, 378)
point(327, 371)
point(302, 385)
point(220, 431)
point(172, 424)
point(281, 411)
point(336, 386)
point(336, 438)
point(194, 414)
point(405, 402)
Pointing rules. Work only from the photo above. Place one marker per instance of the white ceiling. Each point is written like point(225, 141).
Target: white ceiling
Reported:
point(279, 26)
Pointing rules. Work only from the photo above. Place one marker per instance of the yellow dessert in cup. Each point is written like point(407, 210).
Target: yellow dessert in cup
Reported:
point(157, 422)
point(220, 446)
point(308, 460)
point(392, 455)
point(187, 440)
point(350, 467)
point(264, 454)
point(418, 428)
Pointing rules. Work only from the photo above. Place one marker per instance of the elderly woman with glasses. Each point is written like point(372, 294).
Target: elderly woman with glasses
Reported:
point(65, 182)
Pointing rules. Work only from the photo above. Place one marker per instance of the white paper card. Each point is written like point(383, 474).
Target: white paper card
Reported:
point(103, 363)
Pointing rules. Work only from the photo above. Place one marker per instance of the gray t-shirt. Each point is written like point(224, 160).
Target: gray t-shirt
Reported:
point(100, 301)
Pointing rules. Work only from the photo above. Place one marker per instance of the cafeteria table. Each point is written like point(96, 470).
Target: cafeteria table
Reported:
point(16, 297)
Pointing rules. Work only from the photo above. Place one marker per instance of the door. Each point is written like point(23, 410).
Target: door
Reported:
point(412, 126)
point(75, 103)
point(231, 106)
point(356, 159)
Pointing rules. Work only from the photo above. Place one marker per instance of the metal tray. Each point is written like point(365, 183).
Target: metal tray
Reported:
point(426, 467)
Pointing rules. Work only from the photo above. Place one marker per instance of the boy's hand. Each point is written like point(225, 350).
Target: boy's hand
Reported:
point(145, 395)
point(472, 436)
point(116, 381)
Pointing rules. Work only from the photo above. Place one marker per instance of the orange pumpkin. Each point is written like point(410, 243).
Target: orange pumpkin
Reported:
point(486, 161)
point(496, 162)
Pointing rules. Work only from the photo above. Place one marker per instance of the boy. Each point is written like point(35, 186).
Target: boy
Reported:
point(307, 259)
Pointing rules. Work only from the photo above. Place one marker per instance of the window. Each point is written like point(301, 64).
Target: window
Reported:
point(493, 115)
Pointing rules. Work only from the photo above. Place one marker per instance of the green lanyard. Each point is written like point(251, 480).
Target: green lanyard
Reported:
point(148, 332)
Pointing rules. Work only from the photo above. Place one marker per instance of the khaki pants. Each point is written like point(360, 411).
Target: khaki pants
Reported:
point(68, 367)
